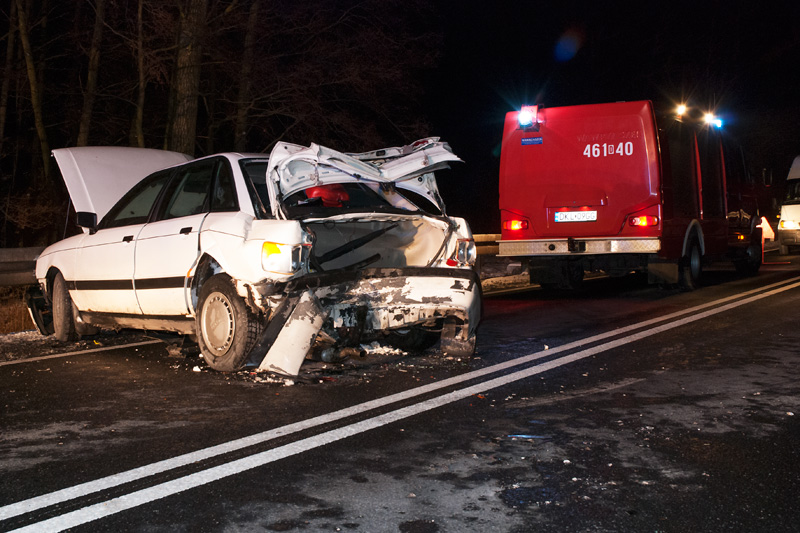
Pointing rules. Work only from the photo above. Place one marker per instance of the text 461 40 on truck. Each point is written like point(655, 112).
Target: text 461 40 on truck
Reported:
point(609, 187)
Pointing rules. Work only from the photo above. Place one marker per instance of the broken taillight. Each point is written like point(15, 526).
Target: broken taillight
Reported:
point(465, 253)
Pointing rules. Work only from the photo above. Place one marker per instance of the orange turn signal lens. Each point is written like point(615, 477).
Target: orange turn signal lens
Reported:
point(642, 221)
point(515, 225)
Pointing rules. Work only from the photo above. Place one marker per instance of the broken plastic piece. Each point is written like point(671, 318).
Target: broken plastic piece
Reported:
point(296, 337)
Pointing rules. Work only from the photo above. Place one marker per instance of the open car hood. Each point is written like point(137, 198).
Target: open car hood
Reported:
point(98, 176)
point(294, 168)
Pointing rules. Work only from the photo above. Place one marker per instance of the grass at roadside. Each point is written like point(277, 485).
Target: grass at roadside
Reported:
point(13, 313)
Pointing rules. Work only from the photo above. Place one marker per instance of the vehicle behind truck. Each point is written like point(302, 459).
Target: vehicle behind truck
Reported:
point(611, 188)
point(789, 225)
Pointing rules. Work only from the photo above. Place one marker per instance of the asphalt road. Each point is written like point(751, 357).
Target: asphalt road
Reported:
point(619, 407)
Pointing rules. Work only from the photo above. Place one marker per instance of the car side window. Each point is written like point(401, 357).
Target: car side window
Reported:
point(255, 173)
point(135, 206)
point(224, 197)
point(188, 191)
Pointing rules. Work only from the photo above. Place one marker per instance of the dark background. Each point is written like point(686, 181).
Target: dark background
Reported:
point(358, 75)
point(739, 59)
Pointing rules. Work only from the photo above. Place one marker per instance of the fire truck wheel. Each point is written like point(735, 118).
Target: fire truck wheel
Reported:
point(692, 267)
point(750, 262)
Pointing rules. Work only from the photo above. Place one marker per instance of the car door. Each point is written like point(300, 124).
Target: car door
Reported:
point(167, 248)
point(103, 280)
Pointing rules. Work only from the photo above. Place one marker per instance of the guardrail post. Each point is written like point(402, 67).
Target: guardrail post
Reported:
point(17, 266)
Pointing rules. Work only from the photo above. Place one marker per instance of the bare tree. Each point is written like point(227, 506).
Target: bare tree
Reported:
point(187, 76)
point(138, 132)
point(9, 65)
point(33, 81)
point(89, 94)
point(243, 102)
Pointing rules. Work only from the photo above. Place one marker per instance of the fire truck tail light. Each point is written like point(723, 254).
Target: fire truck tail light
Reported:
point(515, 225)
point(644, 220)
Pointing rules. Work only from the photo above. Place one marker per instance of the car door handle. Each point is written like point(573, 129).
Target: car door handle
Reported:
point(186, 231)
point(127, 238)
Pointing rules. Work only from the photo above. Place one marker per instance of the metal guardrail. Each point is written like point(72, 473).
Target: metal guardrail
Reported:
point(487, 243)
point(17, 266)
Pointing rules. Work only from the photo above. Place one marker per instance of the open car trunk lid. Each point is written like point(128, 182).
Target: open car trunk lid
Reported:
point(293, 168)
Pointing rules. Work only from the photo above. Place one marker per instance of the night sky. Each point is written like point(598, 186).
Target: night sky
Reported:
point(740, 59)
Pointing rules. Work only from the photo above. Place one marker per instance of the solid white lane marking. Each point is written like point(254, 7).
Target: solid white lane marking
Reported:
point(79, 352)
point(212, 474)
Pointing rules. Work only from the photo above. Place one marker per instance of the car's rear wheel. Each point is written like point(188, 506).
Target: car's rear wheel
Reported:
point(414, 339)
point(63, 315)
point(226, 329)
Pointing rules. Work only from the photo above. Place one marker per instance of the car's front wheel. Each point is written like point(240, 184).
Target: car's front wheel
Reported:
point(63, 315)
point(226, 329)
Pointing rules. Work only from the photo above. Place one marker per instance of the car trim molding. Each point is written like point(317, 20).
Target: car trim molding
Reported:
point(100, 285)
point(160, 283)
point(177, 282)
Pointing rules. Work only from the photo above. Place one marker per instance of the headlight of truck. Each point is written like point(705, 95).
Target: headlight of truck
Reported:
point(284, 258)
point(789, 224)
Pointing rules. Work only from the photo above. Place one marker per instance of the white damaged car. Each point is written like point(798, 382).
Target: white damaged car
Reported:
point(264, 260)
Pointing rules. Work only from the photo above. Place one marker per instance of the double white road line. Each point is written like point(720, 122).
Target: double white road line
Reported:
point(449, 390)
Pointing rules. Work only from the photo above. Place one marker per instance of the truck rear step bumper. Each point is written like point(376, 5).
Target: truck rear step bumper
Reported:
point(592, 246)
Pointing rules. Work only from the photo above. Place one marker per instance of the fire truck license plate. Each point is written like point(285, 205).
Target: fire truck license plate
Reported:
point(576, 216)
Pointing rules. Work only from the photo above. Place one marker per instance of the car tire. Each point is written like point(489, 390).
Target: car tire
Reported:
point(226, 329)
point(691, 271)
point(413, 339)
point(63, 312)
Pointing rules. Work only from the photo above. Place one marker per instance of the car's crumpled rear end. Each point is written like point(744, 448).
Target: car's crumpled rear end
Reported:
point(385, 262)
point(409, 284)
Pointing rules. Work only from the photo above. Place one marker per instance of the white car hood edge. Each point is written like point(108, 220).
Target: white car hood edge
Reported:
point(98, 176)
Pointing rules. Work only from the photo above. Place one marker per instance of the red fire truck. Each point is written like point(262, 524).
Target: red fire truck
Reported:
point(609, 187)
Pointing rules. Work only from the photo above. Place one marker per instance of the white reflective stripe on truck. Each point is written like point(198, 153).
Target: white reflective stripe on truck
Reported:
point(593, 246)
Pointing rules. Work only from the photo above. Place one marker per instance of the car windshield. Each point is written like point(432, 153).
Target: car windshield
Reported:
point(792, 192)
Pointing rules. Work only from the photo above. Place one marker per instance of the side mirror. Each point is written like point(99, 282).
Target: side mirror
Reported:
point(87, 220)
